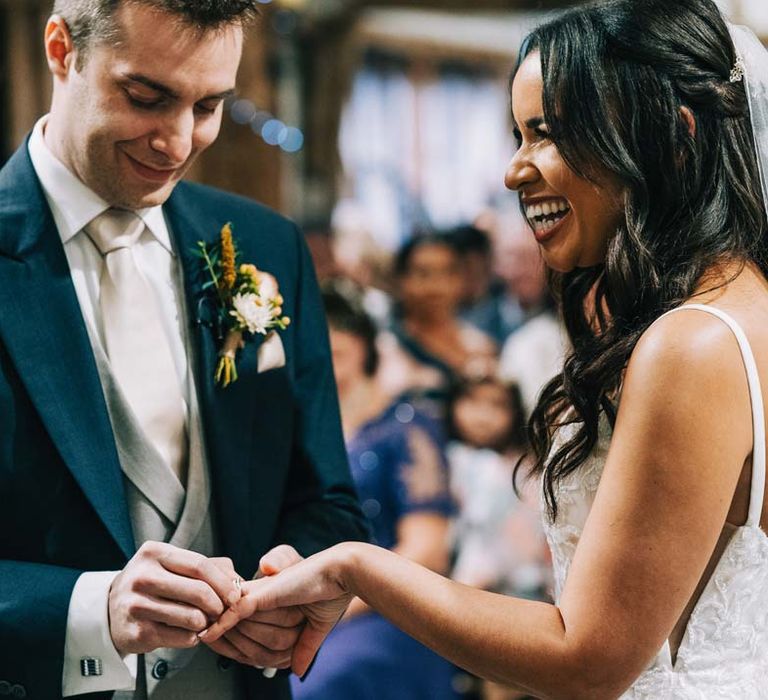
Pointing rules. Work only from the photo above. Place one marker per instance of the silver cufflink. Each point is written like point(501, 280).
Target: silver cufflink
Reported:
point(90, 667)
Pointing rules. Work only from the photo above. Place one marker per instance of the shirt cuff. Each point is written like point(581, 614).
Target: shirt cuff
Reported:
point(88, 637)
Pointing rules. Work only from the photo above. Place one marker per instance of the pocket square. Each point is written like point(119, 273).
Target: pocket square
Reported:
point(271, 353)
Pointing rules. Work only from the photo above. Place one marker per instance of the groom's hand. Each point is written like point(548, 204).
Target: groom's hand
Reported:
point(266, 639)
point(164, 596)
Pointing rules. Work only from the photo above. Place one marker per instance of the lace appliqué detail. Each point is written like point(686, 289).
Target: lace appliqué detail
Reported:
point(575, 495)
point(724, 653)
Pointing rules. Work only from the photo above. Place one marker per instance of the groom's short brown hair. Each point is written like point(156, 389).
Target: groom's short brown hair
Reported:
point(92, 21)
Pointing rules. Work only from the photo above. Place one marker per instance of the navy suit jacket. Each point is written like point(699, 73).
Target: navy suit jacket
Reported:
point(278, 464)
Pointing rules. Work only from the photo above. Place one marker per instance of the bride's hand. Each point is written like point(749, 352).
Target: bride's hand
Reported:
point(314, 586)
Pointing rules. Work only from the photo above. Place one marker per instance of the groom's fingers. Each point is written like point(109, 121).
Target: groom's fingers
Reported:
point(169, 613)
point(224, 564)
point(277, 559)
point(225, 648)
point(183, 590)
point(176, 578)
point(196, 566)
point(269, 636)
point(306, 648)
point(256, 654)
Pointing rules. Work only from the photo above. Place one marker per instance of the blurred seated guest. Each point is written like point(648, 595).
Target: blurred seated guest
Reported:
point(519, 264)
point(364, 260)
point(484, 302)
point(535, 352)
point(319, 238)
point(533, 355)
point(429, 345)
point(398, 465)
point(498, 538)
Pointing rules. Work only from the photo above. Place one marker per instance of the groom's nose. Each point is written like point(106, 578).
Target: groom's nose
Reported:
point(174, 137)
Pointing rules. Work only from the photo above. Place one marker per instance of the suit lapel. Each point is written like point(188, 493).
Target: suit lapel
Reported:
point(44, 332)
point(227, 413)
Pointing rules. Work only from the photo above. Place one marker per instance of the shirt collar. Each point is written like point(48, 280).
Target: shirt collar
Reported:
point(74, 204)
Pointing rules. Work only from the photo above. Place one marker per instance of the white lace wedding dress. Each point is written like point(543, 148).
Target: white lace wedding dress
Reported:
point(724, 652)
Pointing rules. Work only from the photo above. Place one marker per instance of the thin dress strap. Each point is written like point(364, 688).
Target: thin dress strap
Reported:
point(757, 491)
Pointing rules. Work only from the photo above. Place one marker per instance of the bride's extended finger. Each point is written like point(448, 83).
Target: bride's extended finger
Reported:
point(226, 622)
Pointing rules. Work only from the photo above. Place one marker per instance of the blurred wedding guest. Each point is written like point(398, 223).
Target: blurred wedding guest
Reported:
point(518, 262)
point(484, 303)
point(429, 346)
point(398, 465)
point(499, 544)
point(498, 540)
point(360, 257)
point(535, 352)
point(319, 238)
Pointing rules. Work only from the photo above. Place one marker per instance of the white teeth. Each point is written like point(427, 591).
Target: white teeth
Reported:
point(546, 209)
point(545, 216)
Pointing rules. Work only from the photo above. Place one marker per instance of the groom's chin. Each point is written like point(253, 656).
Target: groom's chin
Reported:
point(130, 196)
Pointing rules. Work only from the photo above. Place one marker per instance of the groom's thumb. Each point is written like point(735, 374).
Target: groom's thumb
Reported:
point(277, 559)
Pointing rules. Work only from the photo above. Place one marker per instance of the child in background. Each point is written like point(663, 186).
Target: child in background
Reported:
point(498, 541)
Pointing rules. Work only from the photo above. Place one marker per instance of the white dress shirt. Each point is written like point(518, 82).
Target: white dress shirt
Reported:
point(74, 206)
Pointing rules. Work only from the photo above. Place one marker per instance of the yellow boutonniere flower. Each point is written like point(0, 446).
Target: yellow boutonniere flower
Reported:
point(248, 300)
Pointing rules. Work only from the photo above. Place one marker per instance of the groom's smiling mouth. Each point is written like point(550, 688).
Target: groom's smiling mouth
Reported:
point(158, 175)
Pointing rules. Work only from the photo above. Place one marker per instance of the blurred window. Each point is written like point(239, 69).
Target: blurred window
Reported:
point(423, 145)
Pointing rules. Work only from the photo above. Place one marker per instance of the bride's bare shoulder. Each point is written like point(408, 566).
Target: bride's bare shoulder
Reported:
point(694, 335)
point(688, 363)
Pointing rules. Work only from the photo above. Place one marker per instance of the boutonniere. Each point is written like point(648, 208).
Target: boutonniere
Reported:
point(247, 300)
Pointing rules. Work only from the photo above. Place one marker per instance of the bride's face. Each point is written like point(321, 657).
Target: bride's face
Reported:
point(572, 218)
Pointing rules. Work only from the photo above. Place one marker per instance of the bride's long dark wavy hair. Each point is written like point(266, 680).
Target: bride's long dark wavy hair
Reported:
point(616, 75)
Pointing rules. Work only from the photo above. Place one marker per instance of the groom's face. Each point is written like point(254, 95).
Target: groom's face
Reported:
point(132, 119)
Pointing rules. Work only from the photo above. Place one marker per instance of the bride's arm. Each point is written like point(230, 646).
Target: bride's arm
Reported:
point(682, 434)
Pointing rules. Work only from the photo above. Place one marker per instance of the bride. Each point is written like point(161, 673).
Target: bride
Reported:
point(640, 179)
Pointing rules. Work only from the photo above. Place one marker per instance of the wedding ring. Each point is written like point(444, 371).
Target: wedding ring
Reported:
point(238, 584)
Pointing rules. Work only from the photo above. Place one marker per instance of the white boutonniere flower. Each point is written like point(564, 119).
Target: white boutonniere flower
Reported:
point(247, 299)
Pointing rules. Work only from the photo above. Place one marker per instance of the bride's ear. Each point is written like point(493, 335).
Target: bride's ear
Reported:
point(689, 120)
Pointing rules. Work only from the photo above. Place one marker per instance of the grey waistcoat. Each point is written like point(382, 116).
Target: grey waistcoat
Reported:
point(162, 510)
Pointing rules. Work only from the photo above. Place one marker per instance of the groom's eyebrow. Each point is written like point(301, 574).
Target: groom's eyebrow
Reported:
point(172, 94)
point(153, 85)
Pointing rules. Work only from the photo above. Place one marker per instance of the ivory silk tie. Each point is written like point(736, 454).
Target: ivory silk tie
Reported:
point(137, 347)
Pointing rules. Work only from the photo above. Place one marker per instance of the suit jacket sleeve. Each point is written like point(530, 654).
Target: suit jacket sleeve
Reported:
point(320, 507)
point(34, 600)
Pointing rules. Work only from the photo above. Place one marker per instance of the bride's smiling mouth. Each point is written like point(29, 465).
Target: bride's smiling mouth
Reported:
point(545, 216)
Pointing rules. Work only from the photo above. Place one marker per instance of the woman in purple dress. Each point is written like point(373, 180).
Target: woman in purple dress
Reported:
point(397, 460)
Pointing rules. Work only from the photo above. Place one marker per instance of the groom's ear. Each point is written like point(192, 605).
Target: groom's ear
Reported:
point(59, 48)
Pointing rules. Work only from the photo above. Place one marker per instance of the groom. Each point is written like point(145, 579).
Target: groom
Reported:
point(133, 486)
